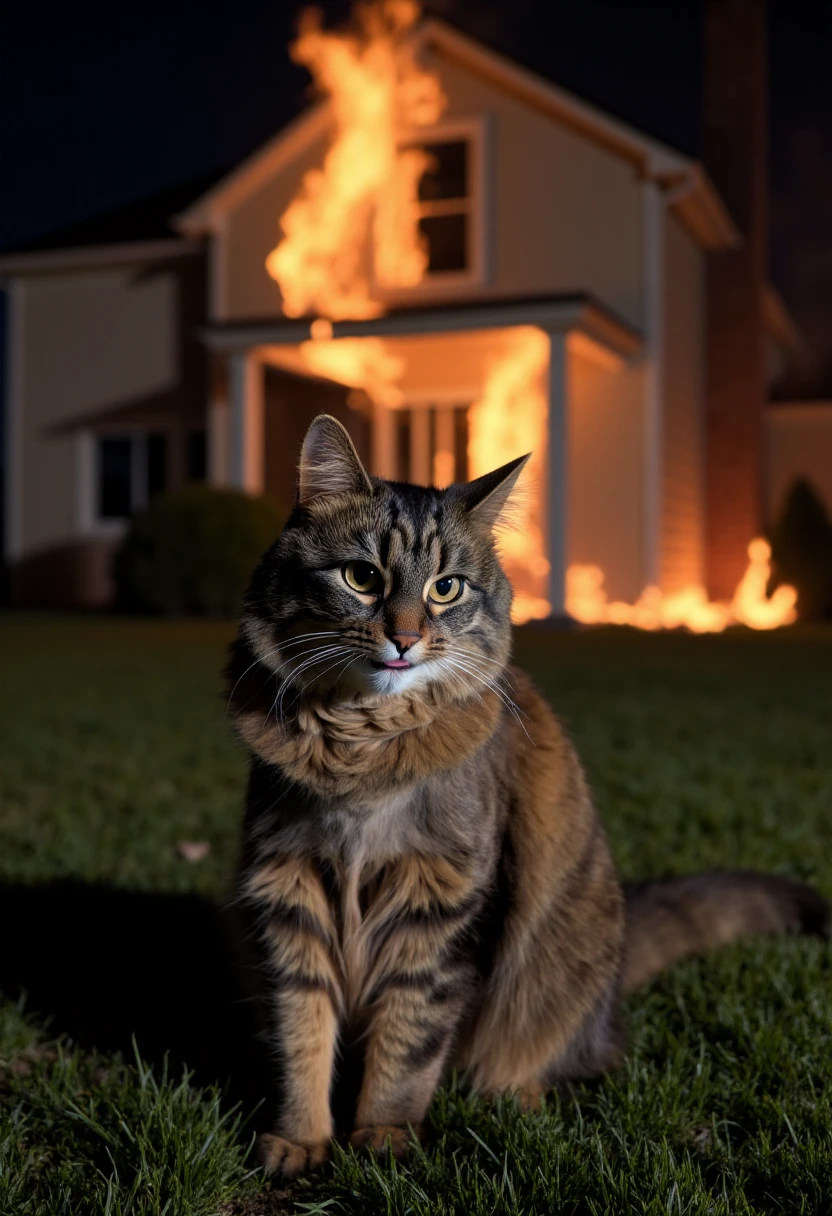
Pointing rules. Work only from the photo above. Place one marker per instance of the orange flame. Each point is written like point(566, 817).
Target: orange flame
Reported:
point(365, 194)
point(509, 420)
point(363, 363)
point(587, 601)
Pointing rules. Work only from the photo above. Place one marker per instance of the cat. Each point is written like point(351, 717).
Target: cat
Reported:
point(424, 879)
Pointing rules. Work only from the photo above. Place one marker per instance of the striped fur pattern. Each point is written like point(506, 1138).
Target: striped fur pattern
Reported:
point(424, 880)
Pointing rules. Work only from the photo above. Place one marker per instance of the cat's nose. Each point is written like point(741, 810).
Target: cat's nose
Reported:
point(403, 641)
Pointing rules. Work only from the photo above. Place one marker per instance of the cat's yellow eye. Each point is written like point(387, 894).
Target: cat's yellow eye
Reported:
point(363, 577)
point(445, 590)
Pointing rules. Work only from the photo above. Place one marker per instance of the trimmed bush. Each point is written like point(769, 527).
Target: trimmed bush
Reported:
point(801, 550)
point(192, 552)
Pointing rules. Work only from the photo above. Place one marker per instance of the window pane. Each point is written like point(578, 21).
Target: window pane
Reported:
point(447, 238)
point(114, 478)
point(157, 464)
point(197, 461)
point(447, 176)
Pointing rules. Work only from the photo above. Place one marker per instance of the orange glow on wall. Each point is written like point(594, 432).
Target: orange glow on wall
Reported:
point(508, 420)
point(364, 195)
point(587, 602)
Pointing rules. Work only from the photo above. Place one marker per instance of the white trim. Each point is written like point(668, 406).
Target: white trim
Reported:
point(246, 456)
point(475, 131)
point(653, 206)
point(15, 331)
point(579, 313)
point(13, 265)
point(557, 481)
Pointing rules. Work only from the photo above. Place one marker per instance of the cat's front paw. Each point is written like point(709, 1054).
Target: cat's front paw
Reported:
point(279, 1156)
point(385, 1138)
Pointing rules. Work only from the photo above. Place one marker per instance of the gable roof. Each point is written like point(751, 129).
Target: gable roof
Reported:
point(691, 194)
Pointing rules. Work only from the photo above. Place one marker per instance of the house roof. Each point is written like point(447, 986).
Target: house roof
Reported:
point(113, 236)
point(691, 193)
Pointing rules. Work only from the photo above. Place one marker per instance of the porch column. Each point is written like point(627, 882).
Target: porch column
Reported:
point(245, 455)
point(420, 470)
point(384, 442)
point(444, 459)
point(557, 520)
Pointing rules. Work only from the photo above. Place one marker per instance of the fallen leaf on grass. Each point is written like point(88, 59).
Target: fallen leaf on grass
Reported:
point(193, 850)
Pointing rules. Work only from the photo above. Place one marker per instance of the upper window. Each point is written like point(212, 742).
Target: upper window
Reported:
point(450, 206)
point(445, 206)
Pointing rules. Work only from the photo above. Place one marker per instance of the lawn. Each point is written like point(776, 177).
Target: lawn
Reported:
point(702, 752)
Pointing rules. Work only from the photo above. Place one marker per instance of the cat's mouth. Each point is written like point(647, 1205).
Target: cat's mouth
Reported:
point(392, 665)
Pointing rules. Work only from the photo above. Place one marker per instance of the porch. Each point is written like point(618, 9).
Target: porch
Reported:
point(446, 393)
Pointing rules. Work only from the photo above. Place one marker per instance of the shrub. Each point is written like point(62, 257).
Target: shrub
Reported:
point(801, 549)
point(193, 551)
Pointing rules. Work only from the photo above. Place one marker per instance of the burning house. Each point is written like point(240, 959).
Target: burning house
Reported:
point(463, 263)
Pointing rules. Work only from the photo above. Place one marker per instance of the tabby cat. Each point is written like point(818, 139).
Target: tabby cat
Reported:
point(424, 878)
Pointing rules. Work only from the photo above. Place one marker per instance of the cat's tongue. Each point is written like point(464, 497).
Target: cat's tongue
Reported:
point(396, 663)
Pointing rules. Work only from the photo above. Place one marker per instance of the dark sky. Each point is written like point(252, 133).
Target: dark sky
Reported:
point(100, 107)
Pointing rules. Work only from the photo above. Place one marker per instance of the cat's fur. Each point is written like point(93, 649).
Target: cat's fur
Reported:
point(424, 876)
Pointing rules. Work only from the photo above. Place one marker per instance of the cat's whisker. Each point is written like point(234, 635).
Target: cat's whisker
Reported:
point(504, 697)
point(503, 679)
point(325, 653)
point(317, 654)
point(293, 641)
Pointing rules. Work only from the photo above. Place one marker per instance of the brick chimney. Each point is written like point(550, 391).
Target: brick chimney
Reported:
point(735, 131)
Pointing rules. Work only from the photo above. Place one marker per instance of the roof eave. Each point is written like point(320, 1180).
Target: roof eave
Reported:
point(576, 313)
point(19, 265)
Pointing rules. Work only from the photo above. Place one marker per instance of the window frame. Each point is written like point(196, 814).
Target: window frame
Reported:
point(475, 132)
point(89, 522)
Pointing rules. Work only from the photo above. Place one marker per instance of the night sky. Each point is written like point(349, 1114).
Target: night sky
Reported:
point(99, 111)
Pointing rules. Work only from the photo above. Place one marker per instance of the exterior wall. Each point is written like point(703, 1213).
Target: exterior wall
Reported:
point(93, 350)
point(605, 482)
point(561, 213)
point(798, 444)
point(683, 416)
point(251, 231)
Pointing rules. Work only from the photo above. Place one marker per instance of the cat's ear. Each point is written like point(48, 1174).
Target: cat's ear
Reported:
point(329, 463)
point(486, 498)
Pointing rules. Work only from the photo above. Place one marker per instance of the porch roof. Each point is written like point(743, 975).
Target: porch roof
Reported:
point(566, 312)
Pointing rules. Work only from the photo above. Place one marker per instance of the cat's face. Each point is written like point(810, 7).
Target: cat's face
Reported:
point(379, 587)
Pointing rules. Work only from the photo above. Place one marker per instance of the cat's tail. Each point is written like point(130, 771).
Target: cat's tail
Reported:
point(671, 918)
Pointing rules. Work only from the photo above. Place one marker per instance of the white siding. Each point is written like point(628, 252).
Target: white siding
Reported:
point(605, 479)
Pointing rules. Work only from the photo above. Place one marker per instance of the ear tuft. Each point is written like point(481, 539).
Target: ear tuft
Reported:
point(486, 498)
point(329, 463)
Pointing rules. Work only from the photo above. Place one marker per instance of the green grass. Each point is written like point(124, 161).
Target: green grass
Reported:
point(702, 752)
